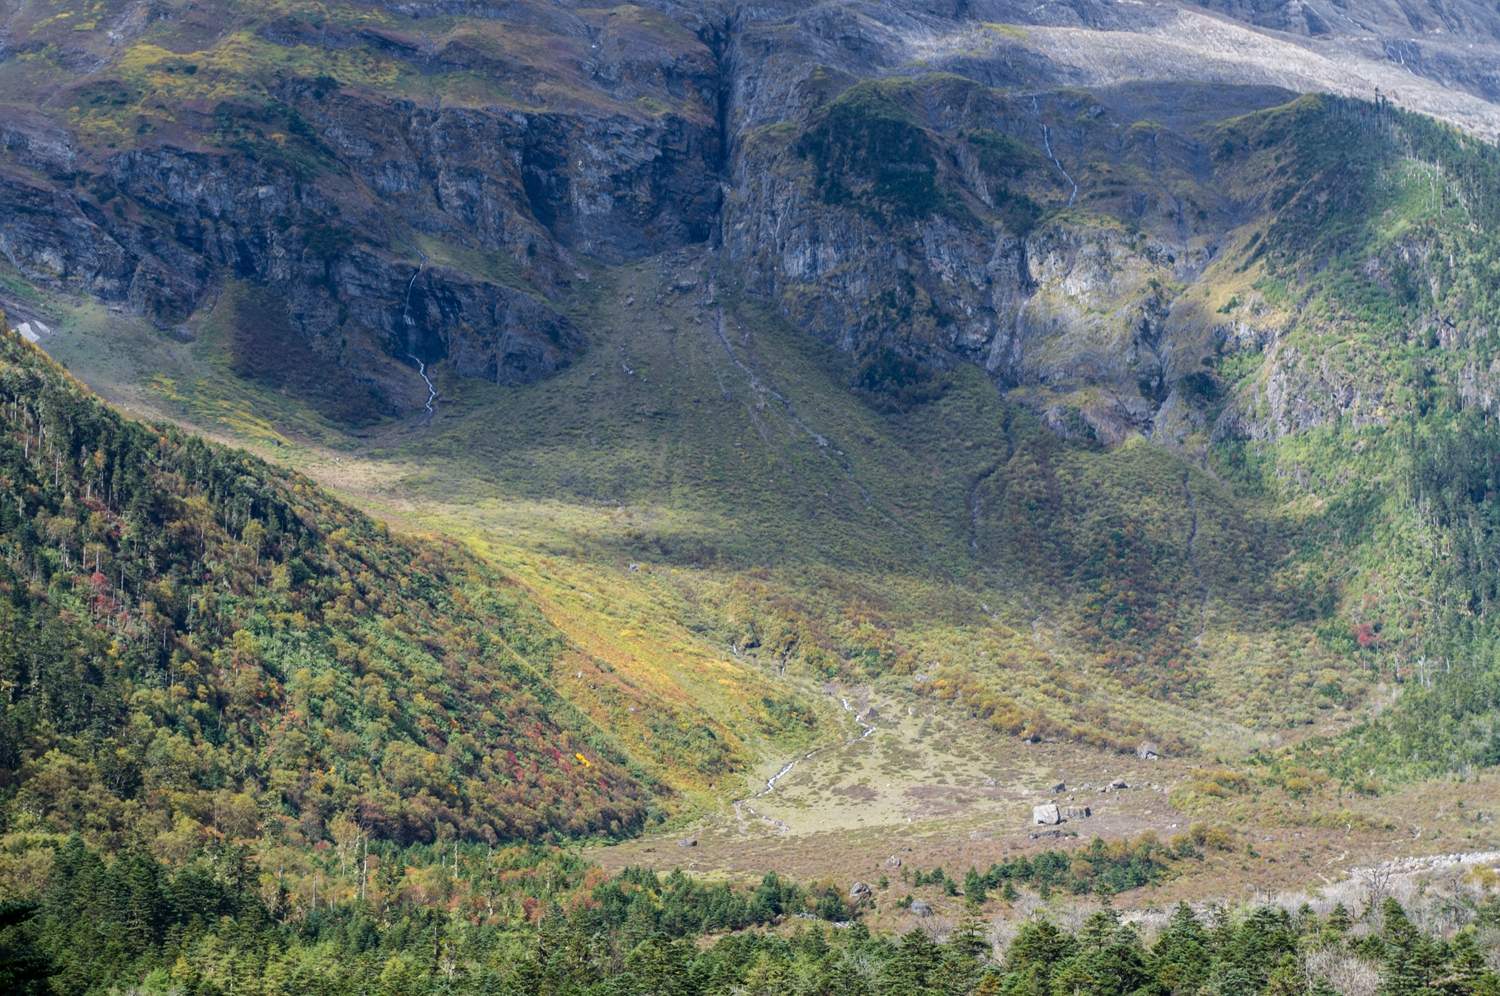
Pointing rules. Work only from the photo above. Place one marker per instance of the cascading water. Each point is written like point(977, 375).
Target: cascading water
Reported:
point(406, 318)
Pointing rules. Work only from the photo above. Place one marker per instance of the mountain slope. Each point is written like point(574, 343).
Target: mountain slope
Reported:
point(796, 353)
point(192, 637)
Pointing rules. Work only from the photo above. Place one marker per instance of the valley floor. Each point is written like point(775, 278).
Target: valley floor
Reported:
point(652, 630)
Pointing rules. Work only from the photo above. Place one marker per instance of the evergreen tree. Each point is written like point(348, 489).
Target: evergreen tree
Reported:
point(1180, 960)
point(23, 969)
point(659, 967)
point(1287, 979)
point(908, 972)
point(1338, 919)
point(1322, 987)
point(1402, 973)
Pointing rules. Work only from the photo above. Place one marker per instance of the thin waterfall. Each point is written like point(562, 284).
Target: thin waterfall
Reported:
point(406, 318)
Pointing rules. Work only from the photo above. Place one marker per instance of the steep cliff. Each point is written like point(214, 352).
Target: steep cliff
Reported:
point(917, 184)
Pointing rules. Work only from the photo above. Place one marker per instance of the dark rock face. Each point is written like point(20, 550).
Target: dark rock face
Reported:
point(896, 176)
point(504, 186)
point(330, 196)
point(486, 330)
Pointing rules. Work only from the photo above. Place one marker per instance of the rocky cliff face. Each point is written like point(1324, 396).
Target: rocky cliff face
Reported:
point(914, 183)
point(1016, 235)
point(336, 196)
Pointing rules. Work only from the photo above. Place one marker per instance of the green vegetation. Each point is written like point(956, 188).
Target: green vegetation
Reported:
point(529, 921)
point(1009, 162)
point(869, 150)
point(712, 516)
point(194, 640)
point(1372, 238)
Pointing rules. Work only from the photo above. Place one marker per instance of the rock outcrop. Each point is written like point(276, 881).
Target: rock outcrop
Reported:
point(913, 184)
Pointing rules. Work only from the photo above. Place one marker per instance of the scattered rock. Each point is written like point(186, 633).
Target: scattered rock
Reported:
point(1118, 783)
point(920, 908)
point(893, 862)
point(1147, 751)
point(858, 891)
point(690, 842)
point(635, 568)
point(871, 714)
point(1046, 814)
point(1060, 787)
point(905, 848)
point(1076, 812)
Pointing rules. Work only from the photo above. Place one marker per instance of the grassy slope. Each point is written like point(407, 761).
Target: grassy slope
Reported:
point(195, 638)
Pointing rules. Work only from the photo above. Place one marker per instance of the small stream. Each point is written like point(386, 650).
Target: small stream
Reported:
point(432, 392)
point(866, 729)
point(1047, 142)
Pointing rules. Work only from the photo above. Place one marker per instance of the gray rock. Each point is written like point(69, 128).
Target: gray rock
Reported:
point(893, 862)
point(920, 908)
point(1119, 783)
point(1076, 812)
point(1046, 814)
point(858, 891)
point(690, 842)
point(1147, 751)
point(1060, 787)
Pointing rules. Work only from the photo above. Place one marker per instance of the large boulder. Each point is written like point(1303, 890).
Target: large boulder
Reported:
point(920, 908)
point(1046, 814)
point(858, 891)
